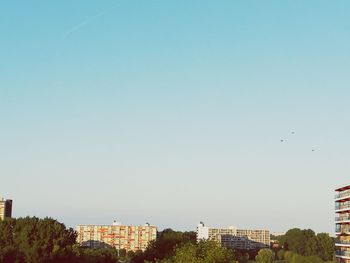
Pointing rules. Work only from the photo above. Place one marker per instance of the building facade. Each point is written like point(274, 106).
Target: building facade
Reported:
point(5, 208)
point(342, 223)
point(130, 238)
point(232, 237)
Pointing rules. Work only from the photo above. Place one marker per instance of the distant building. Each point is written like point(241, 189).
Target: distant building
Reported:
point(278, 234)
point(232, 237)
point(342, 223)
point(5, 208)
point(130, 238)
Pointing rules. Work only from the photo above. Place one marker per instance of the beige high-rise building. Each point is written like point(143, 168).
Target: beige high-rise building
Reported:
point(235, 238)
point(116, 235)
point(5, 208)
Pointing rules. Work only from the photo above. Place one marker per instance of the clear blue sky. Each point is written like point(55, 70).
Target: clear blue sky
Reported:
point(172, 112)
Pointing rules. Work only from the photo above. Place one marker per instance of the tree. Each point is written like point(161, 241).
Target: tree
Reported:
point(97, 255)
point(306, 243)
point(311, 247)
point(122, 254)
point(243, 257)
point(280, 254)
point(302, 259)
point(300, 241)
point(288, 256)
point(7, 247)
point(203, 252)
point(326, 246)
point(164, 246)
point(265, 256)
point(35, 240)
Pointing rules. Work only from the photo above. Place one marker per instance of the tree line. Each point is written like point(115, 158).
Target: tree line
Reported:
point(34, 240)
point(296, 246)
point(305, 243)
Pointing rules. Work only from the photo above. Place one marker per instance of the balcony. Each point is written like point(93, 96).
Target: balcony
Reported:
point(342, 206)
point(342, 218)
point(344, 194)
point(342, 253)
point(342, 230)
point(342, 242)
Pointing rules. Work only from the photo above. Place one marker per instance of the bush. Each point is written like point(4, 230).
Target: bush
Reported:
point(203, 252)
point(265, 256)
point(288, 256)
point(302, 259)
point(280, 254)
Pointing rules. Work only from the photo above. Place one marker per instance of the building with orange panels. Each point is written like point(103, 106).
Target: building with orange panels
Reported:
point(130, 238)
point(342, 223)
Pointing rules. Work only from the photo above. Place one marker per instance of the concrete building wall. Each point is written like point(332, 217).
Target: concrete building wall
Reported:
point(5, 208)
point(235, 238)
point(202, 232)
point(116, 235)
point(259, 236)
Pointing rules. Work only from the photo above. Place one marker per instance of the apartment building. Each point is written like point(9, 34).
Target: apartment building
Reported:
point(232, 237)
point(130, 238)
point(342, 223)
point(5, 208)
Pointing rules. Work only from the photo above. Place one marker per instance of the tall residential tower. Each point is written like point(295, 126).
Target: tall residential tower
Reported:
point(342, 223)
point(5, 208)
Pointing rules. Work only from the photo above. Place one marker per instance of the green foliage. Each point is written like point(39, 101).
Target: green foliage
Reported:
point(203, 252)
point(165, 245)
point(307, 243)
point(326, 246)
point(288, 256)
point(242, 257)
point(302, 259)
point(122, 254)
point(98, 255)
point(292, 257)
point(297, 240)
point(265, 256)
point(34, 240)
point(280, 254)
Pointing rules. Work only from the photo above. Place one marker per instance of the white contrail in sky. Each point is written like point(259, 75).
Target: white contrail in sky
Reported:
point(86, 21)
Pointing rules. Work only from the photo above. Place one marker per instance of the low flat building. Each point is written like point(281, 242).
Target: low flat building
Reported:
point(232, 237)
point(5, 208)
point(130, 238)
